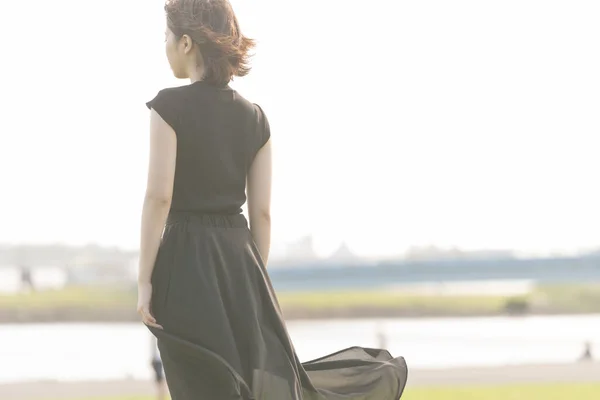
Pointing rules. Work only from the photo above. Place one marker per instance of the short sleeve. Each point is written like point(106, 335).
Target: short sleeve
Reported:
point(265, 128)
point(165, 105)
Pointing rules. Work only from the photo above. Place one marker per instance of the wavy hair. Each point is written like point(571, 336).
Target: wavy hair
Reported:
point(213, 26)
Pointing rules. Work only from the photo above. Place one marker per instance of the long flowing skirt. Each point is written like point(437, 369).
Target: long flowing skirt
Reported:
point(224, 334)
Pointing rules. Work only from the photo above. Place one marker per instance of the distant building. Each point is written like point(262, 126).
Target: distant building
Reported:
point(431, 253)
point(301, 250)
point(345, 255)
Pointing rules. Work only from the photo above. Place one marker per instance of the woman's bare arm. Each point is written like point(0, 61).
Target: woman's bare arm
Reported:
point(159, 191)
point(259, 200)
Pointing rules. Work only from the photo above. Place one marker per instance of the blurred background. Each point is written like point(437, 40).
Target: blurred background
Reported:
point(435, 189)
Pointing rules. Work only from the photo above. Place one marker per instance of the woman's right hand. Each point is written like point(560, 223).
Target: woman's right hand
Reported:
point(143, 307)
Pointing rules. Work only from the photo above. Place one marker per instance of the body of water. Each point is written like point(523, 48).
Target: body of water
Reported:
point(309, 276)
point(117, 351)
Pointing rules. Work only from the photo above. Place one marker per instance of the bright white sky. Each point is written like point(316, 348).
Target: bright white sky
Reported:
point(396, 123)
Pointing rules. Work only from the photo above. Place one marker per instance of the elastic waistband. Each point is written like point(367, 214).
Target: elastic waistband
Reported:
point(215, 220)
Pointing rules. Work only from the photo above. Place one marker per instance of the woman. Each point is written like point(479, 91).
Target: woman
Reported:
point(203, 288)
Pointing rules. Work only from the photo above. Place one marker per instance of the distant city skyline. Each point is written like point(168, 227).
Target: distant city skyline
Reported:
point(299, 253)
point(474, 126)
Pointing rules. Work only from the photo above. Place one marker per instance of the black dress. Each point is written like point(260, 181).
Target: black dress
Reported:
point(224, 334)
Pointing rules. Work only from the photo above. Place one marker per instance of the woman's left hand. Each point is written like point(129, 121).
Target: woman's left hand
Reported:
point(143, 307)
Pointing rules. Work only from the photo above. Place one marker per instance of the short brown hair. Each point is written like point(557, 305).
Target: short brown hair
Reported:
point(213, 26)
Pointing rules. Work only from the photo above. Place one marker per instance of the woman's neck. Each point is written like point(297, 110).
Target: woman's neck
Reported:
point(196, 74)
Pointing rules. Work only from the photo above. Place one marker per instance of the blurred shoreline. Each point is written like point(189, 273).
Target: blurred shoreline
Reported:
point(117, 304)
point(582, 372)
point(76, 315)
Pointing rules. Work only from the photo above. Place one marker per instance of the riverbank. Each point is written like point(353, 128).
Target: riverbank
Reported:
point(581, 375)
point(103, 304)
